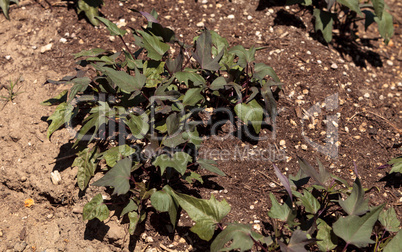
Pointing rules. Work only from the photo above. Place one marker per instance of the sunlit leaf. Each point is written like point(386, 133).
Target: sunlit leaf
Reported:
point(210, 165)
point(96, 209)
point(326, 240)
point(378, 8)
point(91, 9)
point(282, 212)
point(385, 26)
point(250, 112)
point(86, 163)
point(203, 53)
point(61, 116)
point(89, 53)
point(156, 48)
point(178, 161)
point(351, 4)
point(396, 165)
point(395, 244)
point(193, 96)
point(310, 203)
point(112, 27)
point(242, 237)
point(131, 206)
point(357, 230)
point(389, 220)
point(163, 202)
point(245, 56)
point(115, 154)
point(297, 242)
point(118, 177)
point(205, 213)
point(60, 98)
point(134, 219)
point(355, 204)
point(323, 22)
point(139, 125)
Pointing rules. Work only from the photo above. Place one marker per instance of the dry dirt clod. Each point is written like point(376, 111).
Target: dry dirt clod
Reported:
point(20, 246)
point(55, 177)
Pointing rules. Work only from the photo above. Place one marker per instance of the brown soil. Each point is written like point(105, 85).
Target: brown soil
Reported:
point(365, 75)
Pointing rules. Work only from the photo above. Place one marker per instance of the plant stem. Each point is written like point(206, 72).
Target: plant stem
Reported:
point(128, 49)
point(344, 249)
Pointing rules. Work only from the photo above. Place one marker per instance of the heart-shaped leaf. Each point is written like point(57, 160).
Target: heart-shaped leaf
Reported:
point(203, 53)
point(118, 177)
point(355, 204)
point(178, 161)
point(95, 209)
point(250, 112)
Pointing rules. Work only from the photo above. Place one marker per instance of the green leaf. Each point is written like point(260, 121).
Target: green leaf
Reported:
point(131, 206)
point(242, 237)
point(178, 161)
point(118, 177)
point(190, 176)
point(156, 48)
point(203, 53)
point(282, 212)
point(270, 103)
point(245, 56)
point(99, 116)
point(378, 8)
point(389, 220)
point(326, 240)
point(218, 83)
point(115, 154)
point(175, 65)
point(134, 219)
point(60, 98)
point(173, 123)
point(355, 204)
point(396, 165)
point(62, 115)
point(395, 244)
point(320, 177)
point(357, 230)
point(126, 82)
point(210, 165)
point(351, 4)
point(163, 202)
point(112, 27)
point(297, 242)
point(251, 112)
point(310, 203)
point(5, 6)
point(323, 22)
point(220, 43)
point(89, 53)
point(385, 26)
point(187, 77)
point(86, 163)
point(261, 70)
point(139, 125)
point(206, 213)
point(95, 209)
point(192, 96)
point(91, 9)
point(153, 72)
point(80, 85)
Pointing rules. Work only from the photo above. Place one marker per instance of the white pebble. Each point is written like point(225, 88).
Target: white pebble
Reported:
point(249, 17)
point(334, 66)
point(390, 63)
point(63, 40)
point(367, 95)
point(55, 177)
point(231, 16)
point(319, 61)
point(200, 24)
point(8, 57)
point(252, 207)
point(46, 48)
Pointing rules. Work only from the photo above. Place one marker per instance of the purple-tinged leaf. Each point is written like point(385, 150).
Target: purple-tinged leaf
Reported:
point(284, 180)
point(149, 17)
point(355, 169)
point(203, 53)
point(297, 242)
point(310, 171)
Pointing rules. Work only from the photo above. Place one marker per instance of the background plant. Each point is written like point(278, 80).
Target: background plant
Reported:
point(346, 13)
point(139, 119)
point(326, 214)
point(5, 6)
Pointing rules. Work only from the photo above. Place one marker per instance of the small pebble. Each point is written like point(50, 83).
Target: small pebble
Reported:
point(46, 48)
point(200, 24)
point(390, 63)
point(252, 207)
point(8, 57)
point(149, 239)
point(334, 66)
point(257, 227)
point(55, 177)
point(319, 61)
point(249, 17)
point(282, 143)
point(304, 147)
point(367, 95)
point(231, 16)
point(63, 40)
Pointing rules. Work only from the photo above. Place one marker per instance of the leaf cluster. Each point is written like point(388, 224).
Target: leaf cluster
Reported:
point(324, 214)
point(345, 14)
point(137, 118)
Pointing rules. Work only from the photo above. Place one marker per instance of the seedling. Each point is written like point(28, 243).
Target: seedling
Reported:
point(12, 91)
